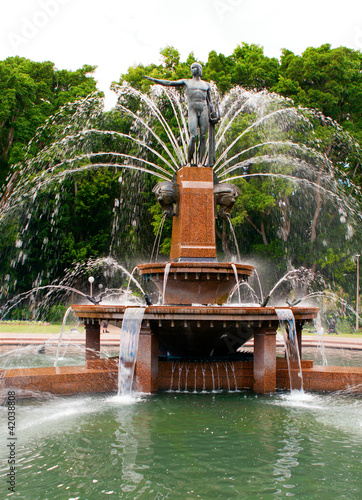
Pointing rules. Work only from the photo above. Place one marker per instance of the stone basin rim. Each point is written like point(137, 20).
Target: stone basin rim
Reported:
point(196, 267)
point(256, 313)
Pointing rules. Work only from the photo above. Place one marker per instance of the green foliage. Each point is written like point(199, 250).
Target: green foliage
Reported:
point(56, 313)
point(29, 93)
point(253, 69)
point(88, 214)
point(327, 79)
point(170, 69)
point(69, 226)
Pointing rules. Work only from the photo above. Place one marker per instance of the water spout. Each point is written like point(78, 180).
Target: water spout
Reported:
point(128, 348)
point(93, 300)
point(287, 325)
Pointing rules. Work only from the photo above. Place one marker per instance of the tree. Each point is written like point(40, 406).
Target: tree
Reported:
point(327, 79)
point(254, 70)
point(29, 93)
point(86, 214)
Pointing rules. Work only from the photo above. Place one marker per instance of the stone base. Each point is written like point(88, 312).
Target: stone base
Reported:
point(175, 375)
point(65, 380)
point(324, 378)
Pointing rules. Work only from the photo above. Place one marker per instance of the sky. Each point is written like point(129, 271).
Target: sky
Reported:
point(116, 34)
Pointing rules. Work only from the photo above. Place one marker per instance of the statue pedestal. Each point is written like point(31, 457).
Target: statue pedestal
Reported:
point(193, 228)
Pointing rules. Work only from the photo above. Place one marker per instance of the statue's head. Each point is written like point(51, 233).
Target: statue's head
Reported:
point(196, 69)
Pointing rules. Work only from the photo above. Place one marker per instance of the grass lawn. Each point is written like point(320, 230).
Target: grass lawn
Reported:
point(24, 328)
point(342, 334)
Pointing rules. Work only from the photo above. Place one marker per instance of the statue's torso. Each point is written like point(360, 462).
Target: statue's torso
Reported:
point(196, 91)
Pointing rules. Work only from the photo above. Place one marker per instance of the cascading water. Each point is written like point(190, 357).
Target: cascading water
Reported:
point(206, 377)
point(165, 278)
point(254, 297)
point(259, 284)
point(203, 370)
point(180, 368)
point(68, 311)
point(187, 369)
point(173, 368)
point(128, 348)
point(234, 239)
point(237, 282)
point(287, 325)
point(156, 244)
point(77, 136)
point(320, 333)
point(234, 375)
point(281, 438)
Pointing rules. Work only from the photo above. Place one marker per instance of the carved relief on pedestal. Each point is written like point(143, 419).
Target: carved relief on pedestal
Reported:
point(167, 196)
point(225, 197)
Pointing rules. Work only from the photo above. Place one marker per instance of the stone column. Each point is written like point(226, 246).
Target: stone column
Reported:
point(265, 360)
point(147, 361)
point(92, 343)
point(193, 227)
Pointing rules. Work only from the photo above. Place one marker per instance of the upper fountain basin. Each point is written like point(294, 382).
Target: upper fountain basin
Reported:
point(195, 282)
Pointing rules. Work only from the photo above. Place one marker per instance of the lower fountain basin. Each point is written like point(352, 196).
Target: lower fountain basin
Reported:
point(199, 331)
point(195, 282)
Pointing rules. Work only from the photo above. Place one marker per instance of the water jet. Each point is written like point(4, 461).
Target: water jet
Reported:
point(195, 323)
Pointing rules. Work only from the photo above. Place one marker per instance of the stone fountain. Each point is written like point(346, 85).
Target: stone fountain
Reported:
point(194, 325)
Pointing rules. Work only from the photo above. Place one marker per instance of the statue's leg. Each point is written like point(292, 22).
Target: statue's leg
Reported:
point(193, 135)
point(204, 125)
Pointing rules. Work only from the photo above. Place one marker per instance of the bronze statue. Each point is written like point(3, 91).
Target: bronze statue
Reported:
point(202, 113)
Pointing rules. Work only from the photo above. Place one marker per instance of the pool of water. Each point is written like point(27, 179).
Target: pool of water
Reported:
point(333, 357)
point(73, 355)
point(188, 446)
point(30, 357)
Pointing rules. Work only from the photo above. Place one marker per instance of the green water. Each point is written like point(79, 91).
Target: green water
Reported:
point(187, 446)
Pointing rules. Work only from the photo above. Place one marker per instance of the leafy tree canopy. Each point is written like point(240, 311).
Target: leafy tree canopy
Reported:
point(327, 79)
point(29, 93)
point(88, 218)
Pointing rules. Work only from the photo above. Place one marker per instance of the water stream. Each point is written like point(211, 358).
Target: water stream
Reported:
point(80, 145)
point(157, 242)
point(320, 333)
point(234, 239)
point(287, 326)
point(236, 281)
point(128, 348)
point(165, 278)
point(68, 311)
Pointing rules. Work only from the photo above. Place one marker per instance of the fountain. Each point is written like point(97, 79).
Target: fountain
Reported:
point(194, 326)
point(204, 434)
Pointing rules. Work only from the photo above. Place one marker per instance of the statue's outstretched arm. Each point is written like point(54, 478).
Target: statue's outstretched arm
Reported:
point(166, 83)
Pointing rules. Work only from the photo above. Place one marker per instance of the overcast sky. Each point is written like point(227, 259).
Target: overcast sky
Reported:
point(115, 34)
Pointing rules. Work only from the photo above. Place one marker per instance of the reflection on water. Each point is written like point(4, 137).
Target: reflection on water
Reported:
point(72, 355)
point(189, 446)
point(333, 357)
point(34, 356)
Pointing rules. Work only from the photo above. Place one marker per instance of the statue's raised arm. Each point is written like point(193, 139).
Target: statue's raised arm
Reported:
point(166, 83)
